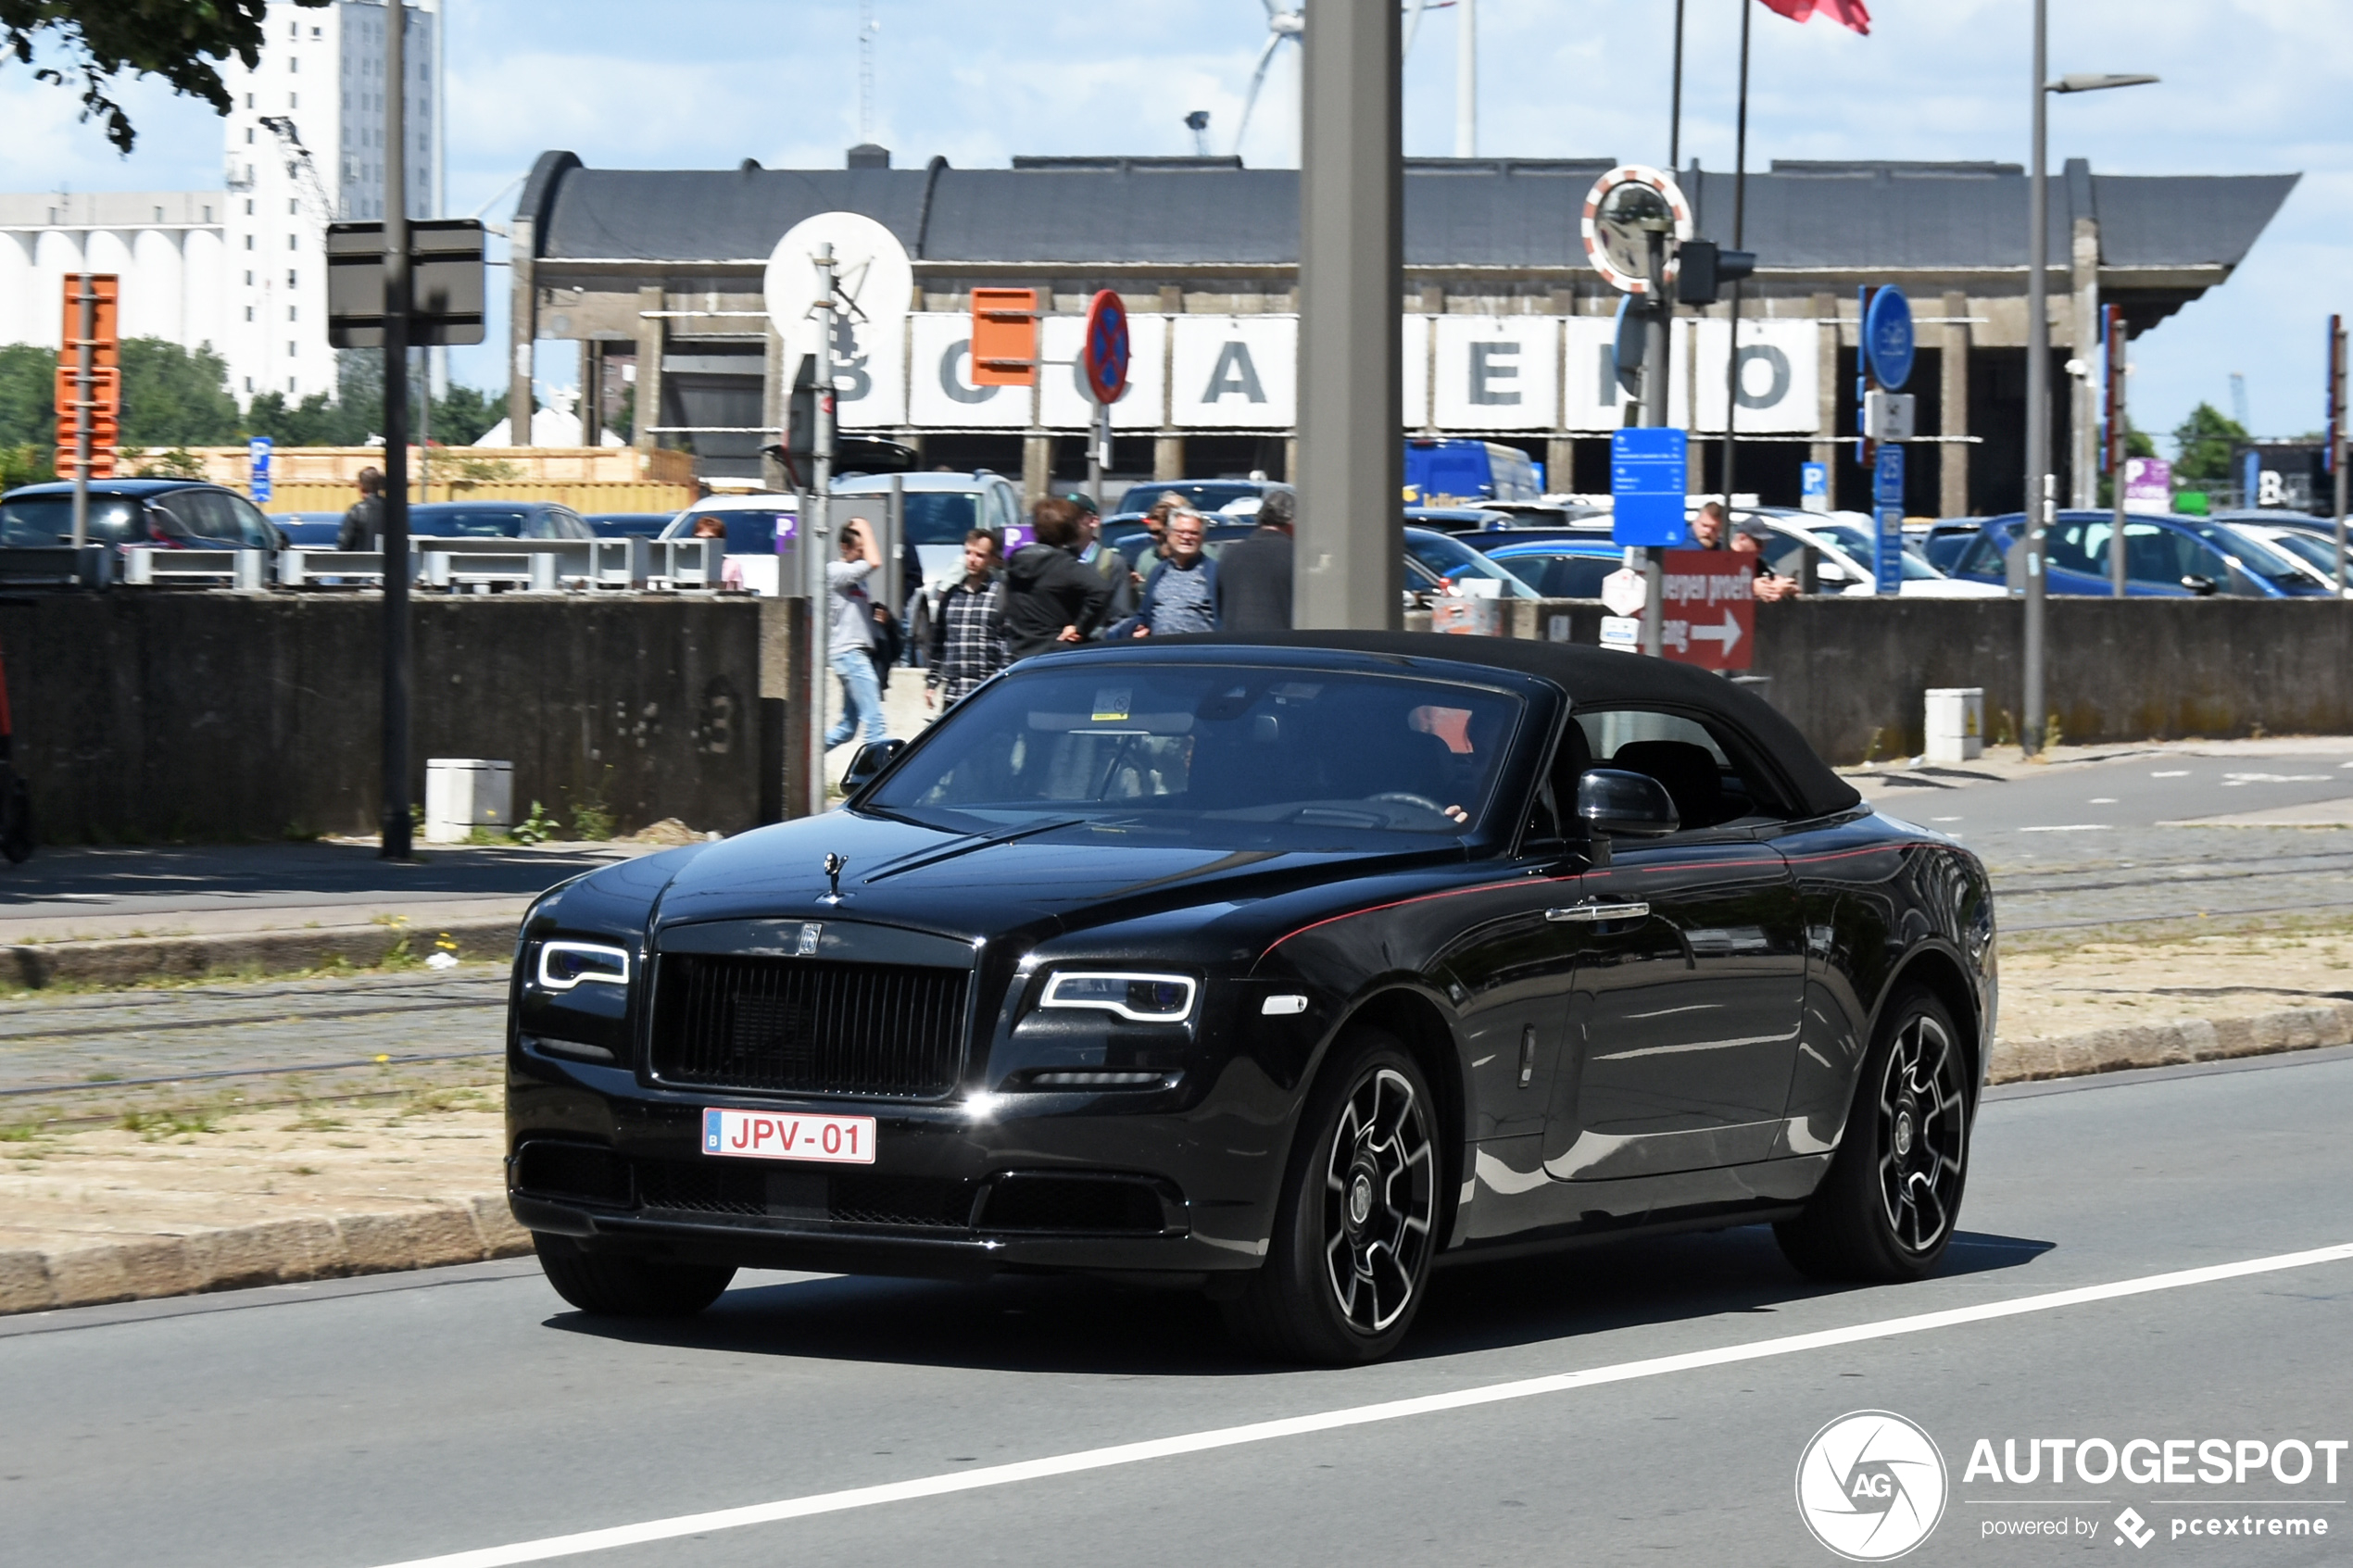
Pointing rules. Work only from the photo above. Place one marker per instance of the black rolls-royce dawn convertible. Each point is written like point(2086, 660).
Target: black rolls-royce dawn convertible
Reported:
point(1283, 969)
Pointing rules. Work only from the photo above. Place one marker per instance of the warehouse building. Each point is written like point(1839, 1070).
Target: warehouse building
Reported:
point(658, 275)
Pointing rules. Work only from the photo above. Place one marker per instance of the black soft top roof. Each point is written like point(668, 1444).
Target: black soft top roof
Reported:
point(1591, 677)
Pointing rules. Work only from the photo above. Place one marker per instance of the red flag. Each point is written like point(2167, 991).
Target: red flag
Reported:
point(1849, 13)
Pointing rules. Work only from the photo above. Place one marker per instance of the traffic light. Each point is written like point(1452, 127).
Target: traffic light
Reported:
point(1703, 267)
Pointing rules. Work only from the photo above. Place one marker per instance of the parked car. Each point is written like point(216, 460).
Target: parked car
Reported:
point(752, 524)
point(1201, 494)
point(1560, 569)
point(2313, 550)
point(1275, 971)
point(496, 520)
point(167, 513)
point(1846, 554)
point(1943, 541)
point(1466, 571)
point(308, 531)
point(1450, 470)
point(627, 525)
point(1457, 519)
point(2165, 556)
point(940, 509)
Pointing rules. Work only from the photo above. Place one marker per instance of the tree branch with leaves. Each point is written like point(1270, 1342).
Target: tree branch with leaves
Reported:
point(100, 40)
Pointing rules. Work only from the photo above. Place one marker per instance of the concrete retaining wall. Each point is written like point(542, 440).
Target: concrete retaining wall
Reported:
point(166, 716)
point(1847, 671)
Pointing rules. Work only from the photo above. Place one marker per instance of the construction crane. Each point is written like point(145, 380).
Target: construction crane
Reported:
point(300, 165)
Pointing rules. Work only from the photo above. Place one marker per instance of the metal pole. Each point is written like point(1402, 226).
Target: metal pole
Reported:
point(894, 541)
point(1097, 452)
point(1656, 314)
point(1675, 113)
point(398, 827)
point(816, 535)
point(1350, 549)
point(2116, 449)
point(1467, 79)
point(1739, 223)
point(2039, 492)
point(86, 391)
point(2338, 450)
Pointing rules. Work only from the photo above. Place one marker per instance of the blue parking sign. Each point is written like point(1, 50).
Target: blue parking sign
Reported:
point(1887, 476)
point(258, 461)
point(1647, 469)
point(1888, 569)
point(1814, 486)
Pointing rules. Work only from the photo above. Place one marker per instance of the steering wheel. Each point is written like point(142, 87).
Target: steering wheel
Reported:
point(1403, 799)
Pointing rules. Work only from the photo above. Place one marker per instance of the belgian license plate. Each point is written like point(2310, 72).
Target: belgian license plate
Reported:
point(765, 1134)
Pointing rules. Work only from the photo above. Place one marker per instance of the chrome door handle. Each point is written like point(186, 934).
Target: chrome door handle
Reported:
point(1599, 912)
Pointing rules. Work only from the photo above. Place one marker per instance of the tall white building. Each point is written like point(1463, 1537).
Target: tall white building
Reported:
point(243, 268)
point(305, 147)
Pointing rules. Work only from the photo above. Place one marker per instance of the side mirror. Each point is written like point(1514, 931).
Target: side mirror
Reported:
point(2204, 587)
point(1613, 803)
point(869, 762)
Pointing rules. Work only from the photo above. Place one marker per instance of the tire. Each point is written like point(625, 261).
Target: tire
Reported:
point(627, 1288)
point(1887, 1209)
point(1357, 1223)
point(15, 818)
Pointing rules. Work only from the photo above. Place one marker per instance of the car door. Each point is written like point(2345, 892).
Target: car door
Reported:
point(1689, 973)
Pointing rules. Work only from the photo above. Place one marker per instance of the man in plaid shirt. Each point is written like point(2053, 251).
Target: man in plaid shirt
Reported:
point(968, 635)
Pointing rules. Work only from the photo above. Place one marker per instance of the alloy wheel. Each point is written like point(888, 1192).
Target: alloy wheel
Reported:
point(1379, 1201)
point(1922, 1125)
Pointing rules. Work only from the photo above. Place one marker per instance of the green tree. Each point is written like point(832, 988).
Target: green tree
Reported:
point(96, 41)
point(27, 395)
point(174, 397)
point(462, 415)
point(2202, 444)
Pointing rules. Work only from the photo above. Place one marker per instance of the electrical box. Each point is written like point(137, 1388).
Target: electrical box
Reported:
point(1955, 724)
point(466, 793)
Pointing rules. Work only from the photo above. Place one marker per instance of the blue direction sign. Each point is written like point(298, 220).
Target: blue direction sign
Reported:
point(1887, 338)
point(1814, 486)
point(1887, 498)
point(1647, 487)
point(257, 460)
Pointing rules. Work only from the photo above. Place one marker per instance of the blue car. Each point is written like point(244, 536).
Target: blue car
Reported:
point(1561, 569)
point(2165, 556)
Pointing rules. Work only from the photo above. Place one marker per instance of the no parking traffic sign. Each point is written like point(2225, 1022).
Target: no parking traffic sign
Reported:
point(1105, 354)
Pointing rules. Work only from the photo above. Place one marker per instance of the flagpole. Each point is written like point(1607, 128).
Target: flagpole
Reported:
point(1675, 115)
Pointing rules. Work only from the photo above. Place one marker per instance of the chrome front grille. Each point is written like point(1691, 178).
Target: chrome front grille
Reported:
point(808, 1026)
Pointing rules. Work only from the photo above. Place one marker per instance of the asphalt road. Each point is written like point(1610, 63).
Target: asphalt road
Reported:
point(379, 1422)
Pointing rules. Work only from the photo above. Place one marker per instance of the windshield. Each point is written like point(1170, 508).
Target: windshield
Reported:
point(1201, 494)
point(1469, 569)
point(1226, 756)
point(749, 532)
point(468, 522)
point(2255, 555)
point(2311, 548)
point(1563, 576)
point(48, 519)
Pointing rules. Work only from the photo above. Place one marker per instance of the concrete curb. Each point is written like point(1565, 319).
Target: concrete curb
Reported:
point(129, 959)
point(2171, 1045)
point(279, 1251)
point(274, 1252)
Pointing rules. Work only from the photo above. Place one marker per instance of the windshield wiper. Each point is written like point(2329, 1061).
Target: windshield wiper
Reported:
point(933, 857)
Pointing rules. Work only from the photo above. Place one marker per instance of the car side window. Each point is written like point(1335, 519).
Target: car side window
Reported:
point(257, 532)
point(2079, 545)
point(1983, 558)
point(1709, 770)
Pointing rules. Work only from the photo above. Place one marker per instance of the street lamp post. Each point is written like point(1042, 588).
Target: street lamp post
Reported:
point(2040, 497)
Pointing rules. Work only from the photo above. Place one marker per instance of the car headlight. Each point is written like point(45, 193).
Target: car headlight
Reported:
point(1138, 997)
point(563, 965)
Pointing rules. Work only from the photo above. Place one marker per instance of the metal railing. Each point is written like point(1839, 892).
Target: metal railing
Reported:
point(452, 565)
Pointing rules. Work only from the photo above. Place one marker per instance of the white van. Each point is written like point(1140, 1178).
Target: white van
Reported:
point(753, 522)
point(940, 509)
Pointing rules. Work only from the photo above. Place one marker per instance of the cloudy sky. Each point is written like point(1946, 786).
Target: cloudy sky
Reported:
point(2251, 86)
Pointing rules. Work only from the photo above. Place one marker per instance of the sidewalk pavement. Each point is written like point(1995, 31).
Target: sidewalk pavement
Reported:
point(2003, 764)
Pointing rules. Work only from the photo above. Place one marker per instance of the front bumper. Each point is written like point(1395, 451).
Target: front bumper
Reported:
point(1110, 1182)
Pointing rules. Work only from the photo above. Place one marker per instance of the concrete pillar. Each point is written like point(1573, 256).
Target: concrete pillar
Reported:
point(1349, 572)
point(1037, 469)
point(1952, 474)
point(523, 330)
point(774, 388)
point(1824, 447)
point(652, 339)
point(2084, 392)
point(1168, 457)
point(592, 392)
point(1560, 462)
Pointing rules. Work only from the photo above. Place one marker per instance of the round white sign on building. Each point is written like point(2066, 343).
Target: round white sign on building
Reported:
point(874, 285)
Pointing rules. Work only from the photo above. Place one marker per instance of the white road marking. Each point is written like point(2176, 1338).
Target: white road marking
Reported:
point(2101, 800)
point(2184, 773)
point(2069, 827)
point(1360, 1415)
point(1945, 819)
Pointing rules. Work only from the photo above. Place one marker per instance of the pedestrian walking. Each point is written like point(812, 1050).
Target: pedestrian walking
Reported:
point(1110, 562)
point(1051, 600)
point(850, 634)
point(968, 635)
point(363, 524)
point(1253, 572)
point(1181, 594)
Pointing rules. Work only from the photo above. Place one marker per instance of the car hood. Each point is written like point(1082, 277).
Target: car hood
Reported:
point(1068, 875)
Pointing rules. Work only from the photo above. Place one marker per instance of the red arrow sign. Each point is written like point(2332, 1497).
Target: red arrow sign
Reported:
point(1709, 608)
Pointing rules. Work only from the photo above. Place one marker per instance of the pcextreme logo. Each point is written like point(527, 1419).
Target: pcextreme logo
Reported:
point(1870, 1486)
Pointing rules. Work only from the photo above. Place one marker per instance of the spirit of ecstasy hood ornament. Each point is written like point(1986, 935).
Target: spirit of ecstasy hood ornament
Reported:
point(834, 864)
